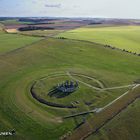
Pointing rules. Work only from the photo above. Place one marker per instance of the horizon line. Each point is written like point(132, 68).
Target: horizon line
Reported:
point(70, 17)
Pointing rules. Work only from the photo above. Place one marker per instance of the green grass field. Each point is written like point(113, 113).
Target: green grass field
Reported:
point(18, 71)
point(123, 37)
point(9, 42)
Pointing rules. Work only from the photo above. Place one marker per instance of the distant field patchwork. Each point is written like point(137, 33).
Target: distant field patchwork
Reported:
point(123, 37)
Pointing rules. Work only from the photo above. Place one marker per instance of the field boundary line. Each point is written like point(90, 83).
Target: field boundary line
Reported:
point(91, 78)
point(101, 89)
point(17, 49)
point(119, 87)
point(104, 46)
point(82, 82)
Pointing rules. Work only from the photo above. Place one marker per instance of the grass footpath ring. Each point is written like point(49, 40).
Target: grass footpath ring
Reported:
point(37, 97)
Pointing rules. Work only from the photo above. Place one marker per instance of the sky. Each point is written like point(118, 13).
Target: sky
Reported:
point(71, 8)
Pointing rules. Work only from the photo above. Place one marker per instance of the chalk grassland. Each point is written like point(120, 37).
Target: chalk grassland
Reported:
point(123, 37)
point(10, 42)
point(19, 69)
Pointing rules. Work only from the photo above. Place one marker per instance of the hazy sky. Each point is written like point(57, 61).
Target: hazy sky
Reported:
point(71, 8)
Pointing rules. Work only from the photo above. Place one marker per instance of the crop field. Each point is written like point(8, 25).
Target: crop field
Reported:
point(103, 75)
point(123, 37)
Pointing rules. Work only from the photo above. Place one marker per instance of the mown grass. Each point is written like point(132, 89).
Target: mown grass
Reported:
point(18, 71)
point(123, 37)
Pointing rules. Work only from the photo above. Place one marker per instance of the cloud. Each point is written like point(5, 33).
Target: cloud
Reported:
point(53, 5)
point(34, 1)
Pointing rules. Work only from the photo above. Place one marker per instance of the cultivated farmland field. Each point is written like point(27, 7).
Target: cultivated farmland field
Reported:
point(123, 37)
